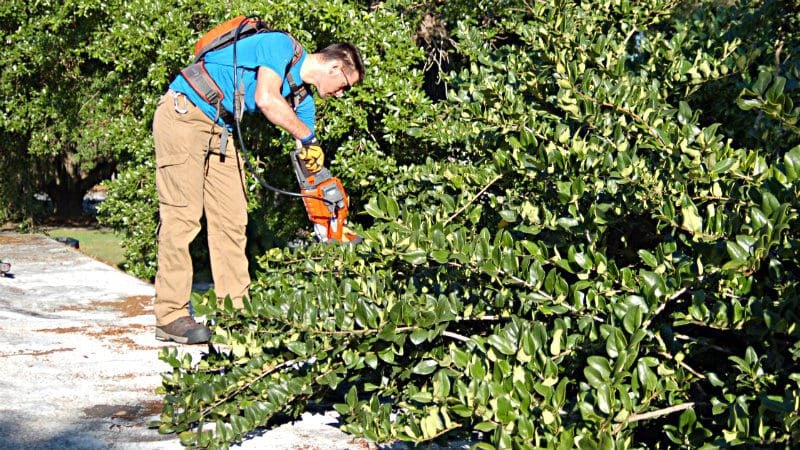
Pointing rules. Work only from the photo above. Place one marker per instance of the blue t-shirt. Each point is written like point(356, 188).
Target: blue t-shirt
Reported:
point(273, 50)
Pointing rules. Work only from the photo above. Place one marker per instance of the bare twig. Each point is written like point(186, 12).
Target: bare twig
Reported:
point(625, 111)
point(357, 332)
point(628, 37)
point(481, 318)
point(684, 365)
point(456, 336)
point(653, 414)
point(661, 307)
point(455, 425)
point(684, 337)
point(494, 180)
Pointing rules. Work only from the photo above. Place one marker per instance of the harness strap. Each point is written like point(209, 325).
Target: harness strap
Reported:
point(205, 86)
point(297, 94)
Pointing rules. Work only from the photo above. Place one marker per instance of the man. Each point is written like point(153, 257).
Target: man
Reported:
point(199, 169)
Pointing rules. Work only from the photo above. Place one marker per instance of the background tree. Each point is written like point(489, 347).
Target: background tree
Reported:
point(70, 110)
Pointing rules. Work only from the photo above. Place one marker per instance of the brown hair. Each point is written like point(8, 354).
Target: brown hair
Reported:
point(348, 55)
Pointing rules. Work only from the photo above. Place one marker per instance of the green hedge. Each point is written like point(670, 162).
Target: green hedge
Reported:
point(590, 242)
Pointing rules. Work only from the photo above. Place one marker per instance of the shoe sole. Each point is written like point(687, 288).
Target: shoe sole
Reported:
point(164, 336)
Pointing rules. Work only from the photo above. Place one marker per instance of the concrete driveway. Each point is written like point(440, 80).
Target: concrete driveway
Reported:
point(79, 362)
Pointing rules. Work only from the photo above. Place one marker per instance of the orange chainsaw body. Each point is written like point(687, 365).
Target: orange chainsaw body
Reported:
point(326, 202)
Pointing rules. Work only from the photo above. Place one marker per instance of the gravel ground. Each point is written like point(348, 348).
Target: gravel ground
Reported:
point(79, 362)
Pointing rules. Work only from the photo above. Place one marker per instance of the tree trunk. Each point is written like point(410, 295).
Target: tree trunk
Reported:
point(70, 184)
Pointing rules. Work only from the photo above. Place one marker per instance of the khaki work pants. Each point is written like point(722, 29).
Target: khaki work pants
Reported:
point(192, 178)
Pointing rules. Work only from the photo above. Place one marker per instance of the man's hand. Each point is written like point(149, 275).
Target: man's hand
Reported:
point(312, 156)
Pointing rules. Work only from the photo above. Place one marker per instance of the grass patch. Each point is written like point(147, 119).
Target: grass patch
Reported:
point(99, 243)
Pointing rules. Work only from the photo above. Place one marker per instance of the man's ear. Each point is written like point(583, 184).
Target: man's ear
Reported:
point(334, 67)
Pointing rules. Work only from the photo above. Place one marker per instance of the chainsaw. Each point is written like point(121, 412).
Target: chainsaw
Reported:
point(326, 203)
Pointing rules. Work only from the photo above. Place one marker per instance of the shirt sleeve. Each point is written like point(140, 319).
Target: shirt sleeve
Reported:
point(275, 52)
point(306, 111)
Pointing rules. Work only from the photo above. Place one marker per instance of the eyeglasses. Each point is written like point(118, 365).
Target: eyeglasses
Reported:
point(346, 80)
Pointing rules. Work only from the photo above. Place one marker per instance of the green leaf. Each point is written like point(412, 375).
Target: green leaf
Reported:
point(691, 218)
point(415, 257)
point(460, 357)
point(486, 427)
point(723, 166)
point(713, 378)
point(594, 377)
point(648, 258)
point(776, 89)
point(748, 104)
point(633, 319)
point(441, 256)
point(762, 83)
point(425, 367)
point(298, 348)
point(603, 393)
point(422, 397)
point(601, 365)
point(736, 251)
point(508, 215)
point(502, 344)
point(555, 343)
point(791, 162)
point(687, 419)
point(418, 336)
point(373, 210)
point(567, 222)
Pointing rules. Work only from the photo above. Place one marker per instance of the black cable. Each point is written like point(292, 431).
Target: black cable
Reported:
point(237, 121)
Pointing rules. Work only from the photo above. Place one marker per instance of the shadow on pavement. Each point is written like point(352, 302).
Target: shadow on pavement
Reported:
point(13, 436)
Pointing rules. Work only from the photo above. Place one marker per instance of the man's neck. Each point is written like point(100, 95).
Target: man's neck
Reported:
point(309, 71)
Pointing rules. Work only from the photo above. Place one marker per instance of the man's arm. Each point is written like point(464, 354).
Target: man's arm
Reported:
point(274, 107)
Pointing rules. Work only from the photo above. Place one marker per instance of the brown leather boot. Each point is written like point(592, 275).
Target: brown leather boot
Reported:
point(184, 331)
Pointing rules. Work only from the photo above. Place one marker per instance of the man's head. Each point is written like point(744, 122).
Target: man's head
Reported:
point(338, 68)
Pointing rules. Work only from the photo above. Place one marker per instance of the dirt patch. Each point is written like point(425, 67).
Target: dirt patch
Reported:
point(115, 331)
point(39, 353)
point(138, 305)
point(363, 444)
point(12, 289)
point(135, 306)
point(63, 330)
point(128, 413)
point(115, 334)
point(128, 342)
point(12, 239)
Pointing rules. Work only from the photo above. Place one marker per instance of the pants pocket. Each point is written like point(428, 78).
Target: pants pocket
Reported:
point(171, 170)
